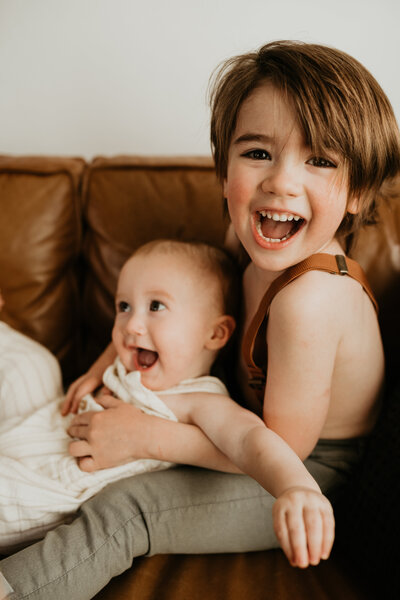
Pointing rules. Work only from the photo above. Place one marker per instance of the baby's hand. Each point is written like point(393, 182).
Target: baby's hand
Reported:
point(85, 384)
point(304, 525)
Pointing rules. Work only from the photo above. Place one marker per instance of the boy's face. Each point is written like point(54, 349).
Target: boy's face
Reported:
point(165, 312)
point(285, 203)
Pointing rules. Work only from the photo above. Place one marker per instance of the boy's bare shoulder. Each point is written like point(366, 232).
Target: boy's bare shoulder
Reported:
point(317, 293)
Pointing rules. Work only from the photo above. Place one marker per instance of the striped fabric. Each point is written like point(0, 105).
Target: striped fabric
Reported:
point(30, 375)
point(41, 484)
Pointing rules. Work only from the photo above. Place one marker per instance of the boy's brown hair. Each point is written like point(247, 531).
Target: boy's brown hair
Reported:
point(339, 104)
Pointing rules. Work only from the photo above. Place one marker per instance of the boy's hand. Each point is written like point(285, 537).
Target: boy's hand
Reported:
point(304, 525)
point(85, 384)
point(111, 437)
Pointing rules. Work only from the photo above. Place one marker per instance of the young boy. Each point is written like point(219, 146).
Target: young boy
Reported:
point(303, 138)
point(175, 303)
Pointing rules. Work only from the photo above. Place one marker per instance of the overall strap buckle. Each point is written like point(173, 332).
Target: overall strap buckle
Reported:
point(342, 264)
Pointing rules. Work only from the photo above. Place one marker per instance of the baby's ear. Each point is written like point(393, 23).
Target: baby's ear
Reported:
point(354, 205)
point(222, 330)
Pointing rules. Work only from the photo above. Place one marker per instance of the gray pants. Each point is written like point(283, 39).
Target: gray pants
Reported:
point(183, 510)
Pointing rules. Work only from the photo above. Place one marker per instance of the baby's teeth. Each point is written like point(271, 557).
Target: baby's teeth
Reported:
point(296, 218)
point(276, 217)
point(290, 218)
point(263, 213)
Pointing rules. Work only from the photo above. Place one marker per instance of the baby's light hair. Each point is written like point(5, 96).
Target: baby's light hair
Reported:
point(212, 260)
point(339, 105)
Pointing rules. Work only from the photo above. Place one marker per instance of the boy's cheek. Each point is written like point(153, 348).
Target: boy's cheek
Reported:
point(225, 188)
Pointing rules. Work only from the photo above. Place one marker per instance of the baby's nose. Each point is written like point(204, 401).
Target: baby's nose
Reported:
point(136, 325)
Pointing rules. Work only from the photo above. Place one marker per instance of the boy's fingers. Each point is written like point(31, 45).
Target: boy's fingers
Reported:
point(79, 449)
point(79, 426)
point(314, 530)
point(328, 523)
point(87, 464)
point(281, 532)
point(297, 539)
point(107, 401)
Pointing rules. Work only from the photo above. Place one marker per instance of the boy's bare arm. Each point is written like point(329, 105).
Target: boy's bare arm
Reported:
point(303, 337)
point(244, 438)
point(123, 432)
point(302, 516)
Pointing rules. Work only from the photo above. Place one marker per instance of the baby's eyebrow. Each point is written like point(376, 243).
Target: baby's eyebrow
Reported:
point(253, 137)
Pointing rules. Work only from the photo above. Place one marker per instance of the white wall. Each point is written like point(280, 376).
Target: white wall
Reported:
point(88, 77)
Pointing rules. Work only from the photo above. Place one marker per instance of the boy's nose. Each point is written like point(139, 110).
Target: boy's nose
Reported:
point(282, 179)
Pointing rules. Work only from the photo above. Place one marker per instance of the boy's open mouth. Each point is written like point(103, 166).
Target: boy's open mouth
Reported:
point(145, 358)
point(277, 227)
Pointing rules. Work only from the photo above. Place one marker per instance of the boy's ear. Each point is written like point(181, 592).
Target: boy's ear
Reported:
point(222, 330)
point(354, 205)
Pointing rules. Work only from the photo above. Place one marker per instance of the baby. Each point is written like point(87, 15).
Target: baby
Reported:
point(175, 303)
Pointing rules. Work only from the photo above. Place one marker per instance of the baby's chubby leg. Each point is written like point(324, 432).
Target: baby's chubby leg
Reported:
point(182, 510)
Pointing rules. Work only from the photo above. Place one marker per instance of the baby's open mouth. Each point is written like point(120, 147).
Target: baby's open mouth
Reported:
point(277, 227)
point(145, 358)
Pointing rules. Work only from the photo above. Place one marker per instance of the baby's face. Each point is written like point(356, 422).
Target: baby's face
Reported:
point(165, 308)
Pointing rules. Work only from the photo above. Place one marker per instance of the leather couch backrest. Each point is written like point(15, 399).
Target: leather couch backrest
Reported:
point(40, 240)
point(66, 227)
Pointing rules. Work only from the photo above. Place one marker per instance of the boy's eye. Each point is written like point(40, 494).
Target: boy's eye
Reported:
point(258, 154)
point(123, 307)
point(156, 305)
point(319, 161)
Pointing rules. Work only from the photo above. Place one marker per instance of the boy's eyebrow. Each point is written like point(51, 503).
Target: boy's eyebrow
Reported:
point(253, 137)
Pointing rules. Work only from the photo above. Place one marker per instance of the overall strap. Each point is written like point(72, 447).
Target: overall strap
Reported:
point(339, 265)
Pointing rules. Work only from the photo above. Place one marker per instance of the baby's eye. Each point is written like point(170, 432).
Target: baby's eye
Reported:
point(319, 161)
point(123, 306)
point(156, 305)
point(258, 154)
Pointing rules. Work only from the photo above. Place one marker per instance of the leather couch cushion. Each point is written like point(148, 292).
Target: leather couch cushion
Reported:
point(40, 236)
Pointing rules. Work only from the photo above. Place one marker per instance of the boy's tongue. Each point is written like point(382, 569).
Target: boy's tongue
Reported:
point(146, 358)
point(275, 229)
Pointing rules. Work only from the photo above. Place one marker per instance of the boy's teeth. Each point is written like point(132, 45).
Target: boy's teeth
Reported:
point(279, 216)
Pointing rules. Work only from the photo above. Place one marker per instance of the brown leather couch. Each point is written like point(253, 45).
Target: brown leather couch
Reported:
point(66, 227)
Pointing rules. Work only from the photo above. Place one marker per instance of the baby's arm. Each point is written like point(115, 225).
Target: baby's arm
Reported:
point(88, 382)
point(303, 517)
